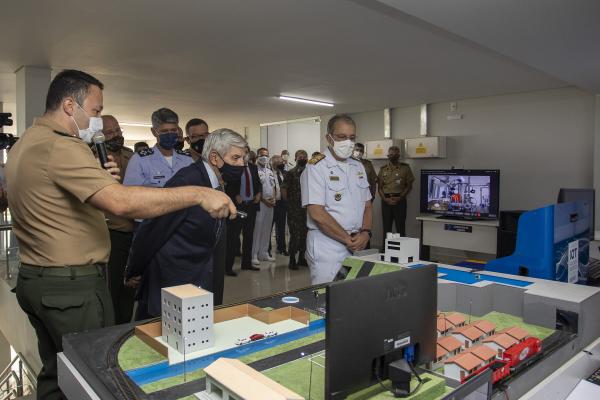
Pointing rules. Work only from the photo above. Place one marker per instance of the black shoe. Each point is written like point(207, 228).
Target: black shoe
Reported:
point(284, 253)
point(230, 273)
point(302, 261)
point(251, 268)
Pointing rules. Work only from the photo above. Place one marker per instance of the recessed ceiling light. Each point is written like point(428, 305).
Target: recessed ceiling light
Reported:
point(135, 124)
point(299, 100)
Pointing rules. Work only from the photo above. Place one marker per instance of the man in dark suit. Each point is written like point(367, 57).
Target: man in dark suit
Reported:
point(245, 194)
point(178, 248)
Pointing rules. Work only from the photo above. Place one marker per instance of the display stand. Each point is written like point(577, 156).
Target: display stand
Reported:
point(479, 236)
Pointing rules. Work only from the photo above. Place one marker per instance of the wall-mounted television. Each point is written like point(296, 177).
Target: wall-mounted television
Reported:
point(461, 193)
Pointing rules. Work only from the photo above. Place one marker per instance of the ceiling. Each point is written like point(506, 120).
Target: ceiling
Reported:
point(227, 60)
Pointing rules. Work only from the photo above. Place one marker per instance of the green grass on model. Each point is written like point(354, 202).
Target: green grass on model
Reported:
point(178, 380)
point(136, 354)
point(503, 321)
point(296, 376)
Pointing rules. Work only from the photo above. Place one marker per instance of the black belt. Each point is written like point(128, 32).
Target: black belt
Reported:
point(392, 195)
point(72, 271)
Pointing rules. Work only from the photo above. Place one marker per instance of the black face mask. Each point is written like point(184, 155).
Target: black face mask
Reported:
point(301, 163)
point(198, 145)
point(281, 167)
point(178, 145)
point(230, 173)
point(115, 144)
point(394, 158)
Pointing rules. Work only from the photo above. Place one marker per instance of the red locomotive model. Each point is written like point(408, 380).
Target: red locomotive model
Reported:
point(519, 352)
point(512, 358)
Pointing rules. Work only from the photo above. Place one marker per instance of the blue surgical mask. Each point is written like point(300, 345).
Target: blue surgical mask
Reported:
point(168, 140)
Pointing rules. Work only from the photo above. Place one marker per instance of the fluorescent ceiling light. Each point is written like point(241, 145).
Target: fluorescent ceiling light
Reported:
point(299, 100)
point(135, 124)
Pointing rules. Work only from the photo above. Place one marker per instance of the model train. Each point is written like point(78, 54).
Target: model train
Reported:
point(514, 358)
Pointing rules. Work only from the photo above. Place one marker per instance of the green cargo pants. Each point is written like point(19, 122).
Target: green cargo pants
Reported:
point(59, 301)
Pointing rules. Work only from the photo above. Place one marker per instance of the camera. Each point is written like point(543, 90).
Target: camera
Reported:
point(7, 140)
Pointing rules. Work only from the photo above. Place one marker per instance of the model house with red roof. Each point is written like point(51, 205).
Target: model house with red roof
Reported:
point(468, 335)
point(461, 365)
point(443, 326)
point(519, 334)
point(486, 327)
point(483, 352)
point(499, 343)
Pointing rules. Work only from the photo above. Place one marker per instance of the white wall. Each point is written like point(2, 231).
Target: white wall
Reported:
point(541, 141)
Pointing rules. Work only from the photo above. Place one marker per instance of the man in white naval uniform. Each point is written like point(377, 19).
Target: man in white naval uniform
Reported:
point(335, 190)
point(264, 218)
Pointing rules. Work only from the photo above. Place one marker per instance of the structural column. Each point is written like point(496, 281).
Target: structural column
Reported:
point(32, 87)
point(597, 164)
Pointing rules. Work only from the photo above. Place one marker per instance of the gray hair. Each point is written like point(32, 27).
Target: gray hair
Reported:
point(221, 141)
point(164, 116)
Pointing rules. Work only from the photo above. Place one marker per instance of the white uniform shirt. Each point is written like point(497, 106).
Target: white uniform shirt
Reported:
point(342, 191)
point(267, 179)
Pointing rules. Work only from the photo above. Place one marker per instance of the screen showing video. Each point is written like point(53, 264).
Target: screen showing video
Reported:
point(459, 194)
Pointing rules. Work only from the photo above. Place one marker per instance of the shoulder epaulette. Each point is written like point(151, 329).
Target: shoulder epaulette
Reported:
point(185, 152)
point(316, 159)
point(146, 152)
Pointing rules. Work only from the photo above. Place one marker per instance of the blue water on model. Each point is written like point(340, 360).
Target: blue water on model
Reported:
point(470, 278)
point(163, 370)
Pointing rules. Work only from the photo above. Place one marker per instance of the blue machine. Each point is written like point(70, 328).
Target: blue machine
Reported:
point(552, 243)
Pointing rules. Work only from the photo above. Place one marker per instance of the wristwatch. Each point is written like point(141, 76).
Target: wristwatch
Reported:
point(368, 231)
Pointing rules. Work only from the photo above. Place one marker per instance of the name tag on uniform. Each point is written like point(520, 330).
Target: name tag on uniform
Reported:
point(334, 178)
point(158, 177)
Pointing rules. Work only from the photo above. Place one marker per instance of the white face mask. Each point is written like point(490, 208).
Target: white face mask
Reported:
point(95, 125)
point(285, 157)
point(357, 154)
point(263, 160)
point(344, 148)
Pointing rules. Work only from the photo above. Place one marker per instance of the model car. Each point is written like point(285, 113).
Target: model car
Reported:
point(269, 334)
point(242, 341)
point(257, 336)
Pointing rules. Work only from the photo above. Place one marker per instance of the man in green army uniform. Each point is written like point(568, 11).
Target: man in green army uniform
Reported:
point(358, 154)
point(395, 182)
point(290, 191)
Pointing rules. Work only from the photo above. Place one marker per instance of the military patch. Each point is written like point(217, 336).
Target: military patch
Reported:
point(334, 178)
point(316, 159)
point(146, 152)
point(185, 152)
point(338, 197)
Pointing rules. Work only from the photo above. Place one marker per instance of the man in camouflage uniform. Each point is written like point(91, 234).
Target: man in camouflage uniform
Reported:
point(290, 191)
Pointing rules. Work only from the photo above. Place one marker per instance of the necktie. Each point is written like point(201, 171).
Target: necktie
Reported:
point(247, 176)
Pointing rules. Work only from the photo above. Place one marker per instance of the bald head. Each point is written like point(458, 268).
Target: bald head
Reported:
point(110, 127)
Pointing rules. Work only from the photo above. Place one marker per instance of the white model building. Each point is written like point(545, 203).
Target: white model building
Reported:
point(231, 379)
point(187, 318)
point(400, 249)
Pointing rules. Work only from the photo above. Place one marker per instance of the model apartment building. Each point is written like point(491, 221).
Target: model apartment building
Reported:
point(400, 249)
point(187, 318)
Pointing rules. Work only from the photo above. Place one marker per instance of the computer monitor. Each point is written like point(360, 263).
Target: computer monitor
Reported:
point(461, 193)
point(586, 195)
point(372, 321)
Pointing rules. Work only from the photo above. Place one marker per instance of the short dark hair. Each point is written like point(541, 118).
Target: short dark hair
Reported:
point(70, 83)
point(300, 152)
point(262, 148)
point(360, 145)
point(339, 117)
point(194, 122)
point(136, 147)
point(164, 116)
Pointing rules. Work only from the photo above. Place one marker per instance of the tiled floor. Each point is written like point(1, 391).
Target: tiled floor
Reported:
point(273, 277)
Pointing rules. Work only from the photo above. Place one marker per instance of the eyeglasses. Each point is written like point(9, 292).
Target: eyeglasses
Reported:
point(117, 131)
